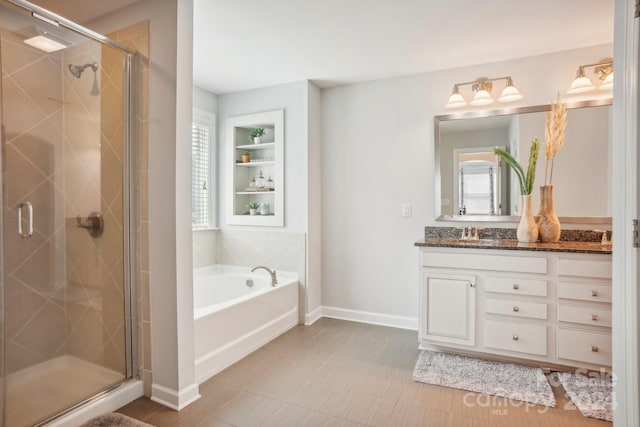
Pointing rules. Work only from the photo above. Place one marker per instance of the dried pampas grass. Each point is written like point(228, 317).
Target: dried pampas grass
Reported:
point(555, 125)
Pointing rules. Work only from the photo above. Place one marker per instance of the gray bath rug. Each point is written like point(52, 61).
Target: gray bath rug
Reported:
point(508, 380)
point(114, 419)
point(591, 395)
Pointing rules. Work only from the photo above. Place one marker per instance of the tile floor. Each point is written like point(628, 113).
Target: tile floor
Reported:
point(339, 373)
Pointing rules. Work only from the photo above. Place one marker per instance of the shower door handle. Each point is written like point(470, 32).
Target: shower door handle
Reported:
point(29, 232)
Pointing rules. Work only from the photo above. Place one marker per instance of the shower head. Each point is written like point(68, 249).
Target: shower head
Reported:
point(77, 70)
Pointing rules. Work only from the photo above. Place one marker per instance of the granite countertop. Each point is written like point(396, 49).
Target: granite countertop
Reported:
point(514, 245)
point(577, 241)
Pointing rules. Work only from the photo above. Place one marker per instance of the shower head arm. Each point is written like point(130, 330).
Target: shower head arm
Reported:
point(77, 70)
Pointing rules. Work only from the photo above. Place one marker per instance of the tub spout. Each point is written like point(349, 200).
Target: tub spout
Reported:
point(274, 279)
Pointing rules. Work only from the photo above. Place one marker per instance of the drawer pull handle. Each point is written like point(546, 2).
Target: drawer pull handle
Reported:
point(515, 338)
point(594, 293)
point(595, 317)
point(516, 286)
point(516, 309)
point(594, 348)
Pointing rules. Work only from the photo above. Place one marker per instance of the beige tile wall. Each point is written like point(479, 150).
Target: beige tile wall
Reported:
point(137, 37)
point(280, 250)
point(33, 274)
point(205, 244)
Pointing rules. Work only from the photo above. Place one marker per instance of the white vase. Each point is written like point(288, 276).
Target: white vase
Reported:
point(257, 139)
point(527, 228)
point(253, 211)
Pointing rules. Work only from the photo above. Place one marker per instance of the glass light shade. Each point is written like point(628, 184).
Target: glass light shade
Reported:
point(581, 85)
point(607, 84)
point(482, 98)
point(456, 101)
point(510, 94)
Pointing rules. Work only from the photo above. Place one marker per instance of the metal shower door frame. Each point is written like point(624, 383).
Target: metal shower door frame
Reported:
point(131, 338)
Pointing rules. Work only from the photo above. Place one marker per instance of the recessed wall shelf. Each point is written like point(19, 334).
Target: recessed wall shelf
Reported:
point(261, 146)
point(242, 174)
point(256, 164)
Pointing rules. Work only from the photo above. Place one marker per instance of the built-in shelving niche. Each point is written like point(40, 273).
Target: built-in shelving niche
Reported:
point(266, 157)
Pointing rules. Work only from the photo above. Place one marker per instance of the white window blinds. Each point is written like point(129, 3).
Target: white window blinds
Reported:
point(201, 163)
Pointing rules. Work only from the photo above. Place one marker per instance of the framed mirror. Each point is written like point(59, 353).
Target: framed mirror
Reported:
point(472, 184)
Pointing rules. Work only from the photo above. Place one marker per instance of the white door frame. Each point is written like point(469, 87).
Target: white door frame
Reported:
point(625, 209)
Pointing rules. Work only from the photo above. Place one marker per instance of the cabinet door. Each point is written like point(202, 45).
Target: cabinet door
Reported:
point(447, 308)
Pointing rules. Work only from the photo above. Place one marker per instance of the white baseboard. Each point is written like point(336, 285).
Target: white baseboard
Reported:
point(310, 318)
point(401, 322)
point(173, 399)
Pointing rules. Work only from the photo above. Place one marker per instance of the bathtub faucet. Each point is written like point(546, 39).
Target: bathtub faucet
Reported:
point(274, 279)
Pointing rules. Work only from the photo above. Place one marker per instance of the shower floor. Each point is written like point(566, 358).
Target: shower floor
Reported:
point(47, 388)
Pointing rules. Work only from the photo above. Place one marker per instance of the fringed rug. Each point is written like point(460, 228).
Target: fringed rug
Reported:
point(114, 419)
point(591, 395)
point(508, 380)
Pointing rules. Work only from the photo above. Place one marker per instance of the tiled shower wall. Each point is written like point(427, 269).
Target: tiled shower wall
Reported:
point(136, 37)
point(34, 269)
point(93, 183)
point(63, 153)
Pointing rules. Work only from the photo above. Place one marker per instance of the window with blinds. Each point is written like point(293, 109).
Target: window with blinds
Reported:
point(202, 131)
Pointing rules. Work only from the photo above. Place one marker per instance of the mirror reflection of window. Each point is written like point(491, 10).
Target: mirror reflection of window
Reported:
point(477, 186)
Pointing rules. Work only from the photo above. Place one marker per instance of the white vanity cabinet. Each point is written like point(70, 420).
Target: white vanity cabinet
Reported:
point(450, 304)
point(549, 307)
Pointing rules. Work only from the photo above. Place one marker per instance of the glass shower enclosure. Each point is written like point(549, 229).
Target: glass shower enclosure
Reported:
point(64, 246)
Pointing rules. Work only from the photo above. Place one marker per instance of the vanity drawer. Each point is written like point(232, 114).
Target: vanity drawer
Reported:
point(533, 310)
point(585, 268)
point(520, 337)
point(512, 285)
point(517, 264)
point(584, 346)
point(584, 291)
point(585, 315)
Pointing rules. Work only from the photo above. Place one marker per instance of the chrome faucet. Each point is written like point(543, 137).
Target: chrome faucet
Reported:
point(274, 279)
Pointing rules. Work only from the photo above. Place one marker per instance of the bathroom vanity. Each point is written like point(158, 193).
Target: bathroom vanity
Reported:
point(546, 303)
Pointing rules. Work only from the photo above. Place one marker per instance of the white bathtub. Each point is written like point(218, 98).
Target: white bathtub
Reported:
point(233, 319)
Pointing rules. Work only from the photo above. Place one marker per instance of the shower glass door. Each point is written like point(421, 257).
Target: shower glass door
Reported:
point(64, 334)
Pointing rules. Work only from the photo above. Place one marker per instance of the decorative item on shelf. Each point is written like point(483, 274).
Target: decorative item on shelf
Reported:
point(482, 88)
point(270, 185)
point(253, 208)
point(245, 156)
point(555, 124)
point(256, 135)
point(264, 209)
point(260, 182)
point(527, 228)
point(603, 71)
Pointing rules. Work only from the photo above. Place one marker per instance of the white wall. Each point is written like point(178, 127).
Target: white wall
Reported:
point(205, 241)
point(205, 100)
point(170, 246)
point(314, 235)
point(378, 152)
point(292, 98)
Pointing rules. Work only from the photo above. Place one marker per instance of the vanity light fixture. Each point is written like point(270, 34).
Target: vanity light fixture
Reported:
point(603, 71)
point(482, 88)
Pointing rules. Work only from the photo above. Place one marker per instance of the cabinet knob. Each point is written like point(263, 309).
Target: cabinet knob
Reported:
point(516, 286)
point(595, 317)
point(516, 309)
point(594, 348)
point(594, 293)
point(515, 338)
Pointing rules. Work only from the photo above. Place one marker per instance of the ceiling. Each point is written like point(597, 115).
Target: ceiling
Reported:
point(246, 44)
